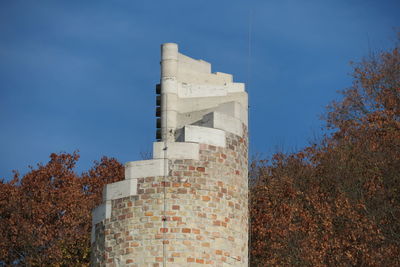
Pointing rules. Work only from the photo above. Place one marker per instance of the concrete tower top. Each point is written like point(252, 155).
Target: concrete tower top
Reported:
point(190, 91)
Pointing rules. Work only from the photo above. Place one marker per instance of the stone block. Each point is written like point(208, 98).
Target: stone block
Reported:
point(120, 189)
point(175, 150)
point(145, 168)
point(204, 135)
point(224, 122)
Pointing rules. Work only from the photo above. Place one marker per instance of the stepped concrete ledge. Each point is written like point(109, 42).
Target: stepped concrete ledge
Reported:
point(204, 135)
point(145, 168)
point(175, 150)
point(124, 188)
point(222, 121)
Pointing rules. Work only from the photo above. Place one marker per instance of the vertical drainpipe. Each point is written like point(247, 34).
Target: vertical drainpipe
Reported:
point(169, 91)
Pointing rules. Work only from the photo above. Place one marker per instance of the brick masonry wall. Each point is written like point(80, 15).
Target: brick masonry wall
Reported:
point(197, 215)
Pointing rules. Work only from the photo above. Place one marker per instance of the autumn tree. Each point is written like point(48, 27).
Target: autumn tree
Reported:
point(367, 142)
point(337, 202)
point(45, 216)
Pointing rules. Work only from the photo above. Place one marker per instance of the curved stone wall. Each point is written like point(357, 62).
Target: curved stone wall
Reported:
point(197, 214)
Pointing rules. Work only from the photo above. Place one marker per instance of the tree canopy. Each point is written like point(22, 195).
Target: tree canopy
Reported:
point(337, 202)
point(45, 216)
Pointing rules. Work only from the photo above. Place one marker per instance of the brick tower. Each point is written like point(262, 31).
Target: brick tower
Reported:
point(188, 206)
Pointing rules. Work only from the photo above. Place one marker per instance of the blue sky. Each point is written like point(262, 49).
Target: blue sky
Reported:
point(80, 75)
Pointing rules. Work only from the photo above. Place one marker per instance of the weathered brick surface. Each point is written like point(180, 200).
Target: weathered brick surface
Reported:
point(196, 215)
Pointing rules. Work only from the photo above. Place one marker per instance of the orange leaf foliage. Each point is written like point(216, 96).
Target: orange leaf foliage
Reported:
point(45, 216)
point(337, 203)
